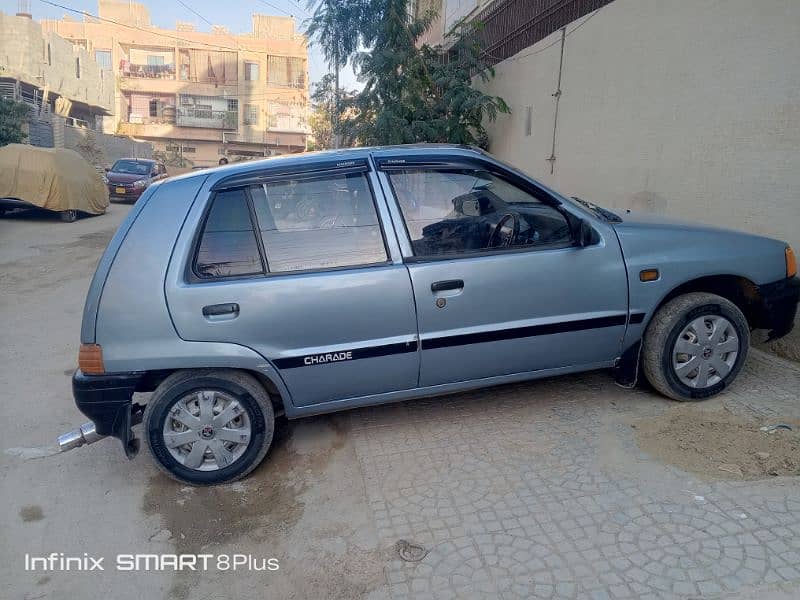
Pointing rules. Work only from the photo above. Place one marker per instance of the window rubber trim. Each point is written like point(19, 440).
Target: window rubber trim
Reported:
point(268, 175)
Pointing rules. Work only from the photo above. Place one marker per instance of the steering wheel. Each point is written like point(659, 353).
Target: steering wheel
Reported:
point(504, 234)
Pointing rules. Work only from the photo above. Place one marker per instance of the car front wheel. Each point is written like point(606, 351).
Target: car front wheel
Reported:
point(207, 427)
point(695, 346)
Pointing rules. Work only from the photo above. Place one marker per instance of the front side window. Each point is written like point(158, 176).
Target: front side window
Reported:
point(228, 244)
point(318, 223)
point(464, 210)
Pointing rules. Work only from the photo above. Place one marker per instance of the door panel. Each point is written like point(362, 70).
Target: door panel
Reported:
point(343, 327)
point(520, 312)
point(297, 320)
point(499, 285)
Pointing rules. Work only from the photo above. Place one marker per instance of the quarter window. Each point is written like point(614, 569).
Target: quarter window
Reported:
point(456, 211)
point(228, 244)
point(318, 223)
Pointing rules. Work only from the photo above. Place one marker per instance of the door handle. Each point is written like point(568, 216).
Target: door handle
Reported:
point(448, 284)
point(215, 310)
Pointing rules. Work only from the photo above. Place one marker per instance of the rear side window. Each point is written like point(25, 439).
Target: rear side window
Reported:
point(319, 222)
point(228, 244)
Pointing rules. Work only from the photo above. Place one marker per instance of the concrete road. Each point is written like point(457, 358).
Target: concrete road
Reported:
point(534, 490)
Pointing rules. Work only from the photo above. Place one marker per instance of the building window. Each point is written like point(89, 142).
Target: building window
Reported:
point(250, 114)
point(155, 60)
point(189, 149)
point(286, 71)
point(250, 71)
point(233, 105)
point(49, 55)
point(153, 107)
point(103, 58)
point(78, 68)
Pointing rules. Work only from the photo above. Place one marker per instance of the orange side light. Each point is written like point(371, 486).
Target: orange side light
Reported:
point(90, 359)
point(648, 275)
point(791, 262)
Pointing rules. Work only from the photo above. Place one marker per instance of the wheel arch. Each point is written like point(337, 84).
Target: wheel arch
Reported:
point(276, 390)
point(737, 289)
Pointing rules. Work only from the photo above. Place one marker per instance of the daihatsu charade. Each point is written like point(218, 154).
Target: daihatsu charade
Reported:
point(321, 282)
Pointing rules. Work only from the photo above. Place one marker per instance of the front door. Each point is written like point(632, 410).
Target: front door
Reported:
point(499, 284)
point(296, 268)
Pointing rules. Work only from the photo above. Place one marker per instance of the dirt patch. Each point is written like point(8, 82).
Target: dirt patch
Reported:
point(31, 513)
point(719, 444)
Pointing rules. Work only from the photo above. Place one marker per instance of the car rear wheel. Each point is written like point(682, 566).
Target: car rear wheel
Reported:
point(69, 216)
point(207, 427)
point(695, 346)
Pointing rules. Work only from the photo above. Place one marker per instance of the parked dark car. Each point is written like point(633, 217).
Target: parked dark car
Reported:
point(129, 177)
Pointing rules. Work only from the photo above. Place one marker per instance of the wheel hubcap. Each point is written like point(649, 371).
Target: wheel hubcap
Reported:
point(207, 430)
point(705, 351)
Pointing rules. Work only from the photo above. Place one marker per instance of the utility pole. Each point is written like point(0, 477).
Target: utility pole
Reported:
point(335, 124)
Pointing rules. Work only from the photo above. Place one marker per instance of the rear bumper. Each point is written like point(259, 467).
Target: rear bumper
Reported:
point(107, 400)
point(778, 306)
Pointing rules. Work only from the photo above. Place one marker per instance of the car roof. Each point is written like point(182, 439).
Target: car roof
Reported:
point(308, 159)
point(138, 160)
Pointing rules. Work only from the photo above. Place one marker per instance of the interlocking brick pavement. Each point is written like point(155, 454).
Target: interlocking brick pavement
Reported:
point(539, 490)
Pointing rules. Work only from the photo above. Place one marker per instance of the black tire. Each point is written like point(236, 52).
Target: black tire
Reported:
point(244, 388)
point(663, 332)
point(69, 216)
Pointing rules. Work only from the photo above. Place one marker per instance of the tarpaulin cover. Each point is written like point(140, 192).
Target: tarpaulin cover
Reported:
point(52, 178)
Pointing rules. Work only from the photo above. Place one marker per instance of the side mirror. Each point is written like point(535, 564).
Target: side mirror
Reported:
point(107, 169)
point(586, 234)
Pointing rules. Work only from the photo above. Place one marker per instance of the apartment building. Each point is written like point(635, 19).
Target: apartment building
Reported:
point(198, 96)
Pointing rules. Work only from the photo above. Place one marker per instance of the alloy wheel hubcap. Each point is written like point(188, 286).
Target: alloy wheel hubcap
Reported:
point(705, 351)
point(207, 430)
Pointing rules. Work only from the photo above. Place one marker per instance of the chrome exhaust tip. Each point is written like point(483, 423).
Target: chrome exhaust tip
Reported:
point(84, 435)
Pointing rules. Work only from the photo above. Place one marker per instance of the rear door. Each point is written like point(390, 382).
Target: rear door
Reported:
point(499, 283)
point(297, 267)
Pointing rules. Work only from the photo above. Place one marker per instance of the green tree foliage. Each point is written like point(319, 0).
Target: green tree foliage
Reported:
point(412, 92)
point(323, 107)
point(13, 116)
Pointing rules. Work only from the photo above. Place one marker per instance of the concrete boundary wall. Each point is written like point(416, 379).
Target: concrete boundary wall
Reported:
point(690, 109)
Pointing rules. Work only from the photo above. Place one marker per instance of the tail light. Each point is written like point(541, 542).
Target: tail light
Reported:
point(90, 359)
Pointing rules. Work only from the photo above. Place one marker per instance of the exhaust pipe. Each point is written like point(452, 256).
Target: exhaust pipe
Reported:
point(84, 435)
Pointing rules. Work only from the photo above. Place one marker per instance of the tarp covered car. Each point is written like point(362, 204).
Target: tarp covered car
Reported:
point(54, 179)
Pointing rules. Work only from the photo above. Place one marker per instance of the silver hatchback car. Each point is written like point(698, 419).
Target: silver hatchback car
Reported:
point(321, 282)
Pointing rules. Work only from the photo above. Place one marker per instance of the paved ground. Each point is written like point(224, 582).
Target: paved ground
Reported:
point(534, 490)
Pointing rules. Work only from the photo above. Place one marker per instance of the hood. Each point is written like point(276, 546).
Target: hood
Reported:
point(114, 177)
point(650, 240)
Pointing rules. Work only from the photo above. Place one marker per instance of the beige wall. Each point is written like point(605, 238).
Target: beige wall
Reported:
point(690, 109)
point(685, 108)
point(24, 55)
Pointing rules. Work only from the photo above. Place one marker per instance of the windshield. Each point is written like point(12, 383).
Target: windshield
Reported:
point(131, 166)
point(599, 211)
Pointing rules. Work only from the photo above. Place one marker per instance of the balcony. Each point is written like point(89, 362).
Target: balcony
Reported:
point(207, 118)
point(149, 71)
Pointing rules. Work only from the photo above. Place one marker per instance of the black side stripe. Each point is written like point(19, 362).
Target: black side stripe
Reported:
point(310, 360)
point(523, 332)
point(636, 318)
point(292, 362)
